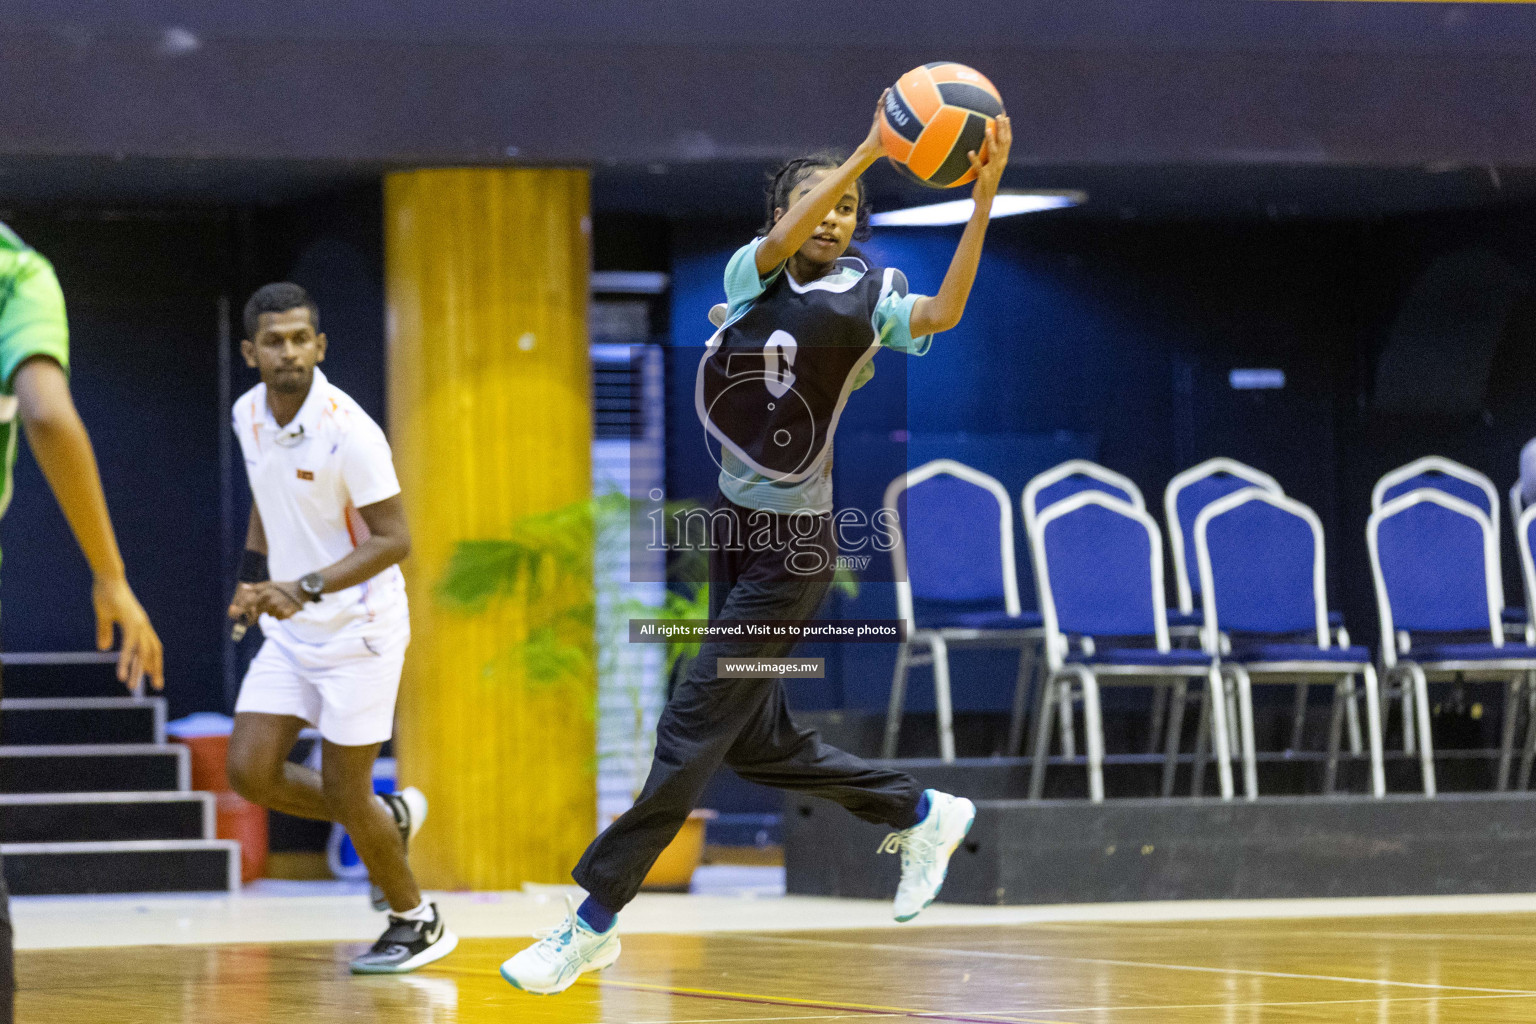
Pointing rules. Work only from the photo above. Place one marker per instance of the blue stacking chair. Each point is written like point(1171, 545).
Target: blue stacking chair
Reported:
point(956, 585)
point(1062, 481)
point(1464, 482)
point(1260, 558)
point(1072, 477)
point(1441, 474)
point(1436, 562)
point(1099, 573)
point(1184, 498)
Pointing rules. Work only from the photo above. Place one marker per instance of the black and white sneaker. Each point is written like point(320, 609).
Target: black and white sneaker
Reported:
point(409, 807)
point(407, 945)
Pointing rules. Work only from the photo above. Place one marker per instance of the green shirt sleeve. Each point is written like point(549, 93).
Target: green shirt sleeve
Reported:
point(32, 320)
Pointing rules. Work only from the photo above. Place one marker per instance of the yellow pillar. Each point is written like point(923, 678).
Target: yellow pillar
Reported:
point(490, 418)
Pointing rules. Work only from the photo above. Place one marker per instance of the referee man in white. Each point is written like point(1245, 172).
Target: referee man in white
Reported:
point(320, 571)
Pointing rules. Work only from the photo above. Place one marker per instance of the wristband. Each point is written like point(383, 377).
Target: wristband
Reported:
point(253, 567)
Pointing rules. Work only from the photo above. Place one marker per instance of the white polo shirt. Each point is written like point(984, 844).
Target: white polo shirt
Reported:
point(309, 478)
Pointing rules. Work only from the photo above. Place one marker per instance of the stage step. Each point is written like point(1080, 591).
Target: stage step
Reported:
point(94, 768)
point(105, 817)
point(171, 865)
point(1071, 851)
point(92, 798)
point(52, 721)
point(61, 674)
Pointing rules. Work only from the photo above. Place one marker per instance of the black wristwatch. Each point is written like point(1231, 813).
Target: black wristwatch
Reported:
point(312, 586)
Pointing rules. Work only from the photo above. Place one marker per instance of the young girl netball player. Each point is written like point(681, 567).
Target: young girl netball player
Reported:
point(804, 323)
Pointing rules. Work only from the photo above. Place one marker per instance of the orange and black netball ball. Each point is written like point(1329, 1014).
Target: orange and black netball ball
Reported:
point(933, 116)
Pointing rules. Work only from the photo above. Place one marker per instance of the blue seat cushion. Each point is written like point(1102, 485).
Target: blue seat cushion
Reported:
point(1516, 616)
point(1149, 656)
point(981, 620)
point(1335, 619)
point(1257, 652)
point(1469, 652)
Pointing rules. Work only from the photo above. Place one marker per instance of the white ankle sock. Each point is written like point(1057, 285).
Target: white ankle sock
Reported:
point(421, 913)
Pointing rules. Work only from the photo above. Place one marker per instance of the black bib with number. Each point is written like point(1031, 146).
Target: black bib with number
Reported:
point(773, 382)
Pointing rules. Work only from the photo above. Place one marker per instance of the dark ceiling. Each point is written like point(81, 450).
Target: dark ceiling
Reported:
point(604, 81)
point(1155, 108)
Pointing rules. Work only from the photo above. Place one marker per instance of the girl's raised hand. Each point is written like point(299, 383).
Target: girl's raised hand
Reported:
point(873, 145)
point(992, 159)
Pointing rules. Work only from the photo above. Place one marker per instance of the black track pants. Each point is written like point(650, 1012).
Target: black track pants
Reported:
point(743, 723)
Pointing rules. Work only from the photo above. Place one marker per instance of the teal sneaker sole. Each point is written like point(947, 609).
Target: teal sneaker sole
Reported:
point(513, 982)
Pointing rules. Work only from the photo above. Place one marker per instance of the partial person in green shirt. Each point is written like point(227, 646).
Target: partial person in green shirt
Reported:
point(34, 393)
point(34, 390)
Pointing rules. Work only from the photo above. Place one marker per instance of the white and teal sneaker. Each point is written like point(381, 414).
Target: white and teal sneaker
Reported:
point(562, 954)
point(926, 848)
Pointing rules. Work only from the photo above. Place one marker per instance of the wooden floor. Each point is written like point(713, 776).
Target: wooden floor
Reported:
point(1439, 969)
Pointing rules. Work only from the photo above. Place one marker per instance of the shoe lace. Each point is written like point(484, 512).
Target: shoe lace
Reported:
point(557, 941)
point(915, 845)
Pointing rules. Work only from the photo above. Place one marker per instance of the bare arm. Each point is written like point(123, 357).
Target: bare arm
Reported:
point(63, 451)
point(255, 533)
point(932, 314)
point(802, 219)
point(389, 542)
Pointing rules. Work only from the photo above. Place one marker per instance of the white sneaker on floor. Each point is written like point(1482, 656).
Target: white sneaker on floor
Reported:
point(926, 848)
point(562, 954)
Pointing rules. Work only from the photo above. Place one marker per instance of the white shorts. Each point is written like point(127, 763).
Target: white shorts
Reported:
point(345, 687)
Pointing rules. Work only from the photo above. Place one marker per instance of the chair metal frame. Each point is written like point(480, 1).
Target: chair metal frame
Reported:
point(1412, 675)
point(1061, 674)
point(925, 646)
point(1516, 507)
point(1300, 672)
